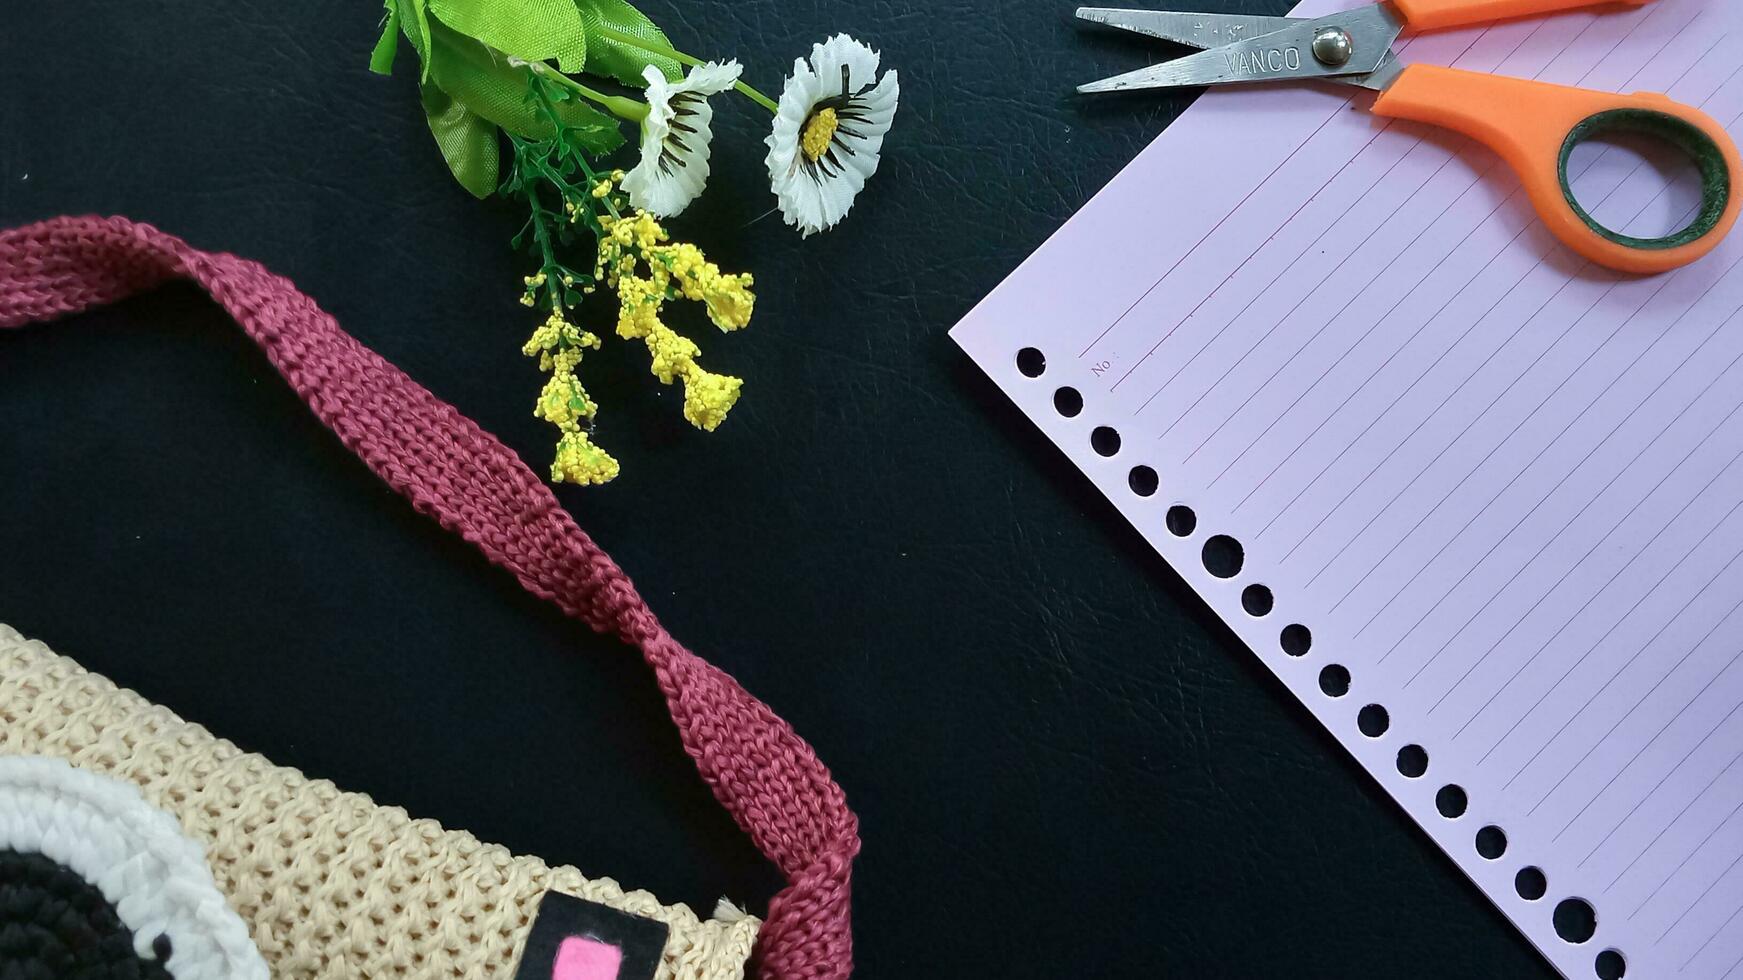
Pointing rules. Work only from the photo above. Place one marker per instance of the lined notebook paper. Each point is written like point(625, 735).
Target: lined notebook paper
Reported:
point(1487, 498)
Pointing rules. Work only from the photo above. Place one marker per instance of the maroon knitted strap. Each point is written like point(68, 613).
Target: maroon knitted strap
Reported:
point(759, 768)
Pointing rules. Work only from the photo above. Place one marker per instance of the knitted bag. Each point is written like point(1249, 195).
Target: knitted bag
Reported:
point(329, 884)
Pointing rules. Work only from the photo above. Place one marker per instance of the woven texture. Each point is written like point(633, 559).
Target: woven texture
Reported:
point(765, 775)
point(332, 885)
point(103, 829)
point(55, 925)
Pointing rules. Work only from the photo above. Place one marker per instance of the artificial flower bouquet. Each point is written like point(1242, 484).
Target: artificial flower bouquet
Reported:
point(495, 69)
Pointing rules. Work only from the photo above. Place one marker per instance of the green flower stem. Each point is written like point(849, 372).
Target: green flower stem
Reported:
point(626, 109)
point(548, 267)
point(592, 182)
point(650, 47)
point(581, 197)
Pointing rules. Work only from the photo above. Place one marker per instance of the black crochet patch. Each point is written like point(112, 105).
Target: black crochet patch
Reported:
point(564, 919)
point(55, 925)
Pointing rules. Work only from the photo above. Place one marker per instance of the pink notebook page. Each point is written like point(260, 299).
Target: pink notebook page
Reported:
point(1498, 488)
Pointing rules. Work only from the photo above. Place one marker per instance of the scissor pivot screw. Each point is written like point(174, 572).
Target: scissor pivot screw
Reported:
point(1333, 47)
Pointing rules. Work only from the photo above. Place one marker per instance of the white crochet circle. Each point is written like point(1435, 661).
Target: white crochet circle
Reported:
point(136, 855)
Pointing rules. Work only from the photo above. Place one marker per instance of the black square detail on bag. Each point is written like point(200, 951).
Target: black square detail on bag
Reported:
point(575, 938)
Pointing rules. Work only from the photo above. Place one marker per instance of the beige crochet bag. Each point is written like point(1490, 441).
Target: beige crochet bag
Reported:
point(137, 841)
point(331, 884)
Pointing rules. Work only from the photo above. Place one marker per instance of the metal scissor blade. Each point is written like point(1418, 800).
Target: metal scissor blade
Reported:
point(1192, 30)
point(1281, 55)
point(1218, 66)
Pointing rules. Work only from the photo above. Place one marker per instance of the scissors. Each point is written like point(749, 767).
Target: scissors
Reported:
point(1534, 126)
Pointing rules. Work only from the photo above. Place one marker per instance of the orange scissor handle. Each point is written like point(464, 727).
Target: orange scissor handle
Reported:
point(1534, 126)
point(1434, 15)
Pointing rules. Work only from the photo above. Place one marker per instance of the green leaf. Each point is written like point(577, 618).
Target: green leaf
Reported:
point(483, 81)
point(467, 140)
point(532, 30)
point(386, 46)
point(417, 31)
point(613, 58)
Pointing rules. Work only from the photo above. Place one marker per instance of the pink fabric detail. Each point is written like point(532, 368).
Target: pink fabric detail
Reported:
point(586, 959)
point(765, 775)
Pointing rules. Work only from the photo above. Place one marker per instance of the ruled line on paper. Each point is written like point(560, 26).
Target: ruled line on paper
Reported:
point(1499, 541)
point(1447, 447)
point(1286, 317)
point(1399, 256)
point(1256, 250)
point(1436, 268)
point(1690, 856)
point(1493, 647)
point(1398, 445)
point(1487, 171)
point(1189, 253)
point(1571, 521)
point(1169, 333)
point(1673, 719)
point(1695, 448)
point(1651, 742)
point(1654, 391)
point(1473, 43)
point(1698, 899)
point(1696, 648)
point(1524, 227)
point(1307, 246)
point(1621, 419)
point(1336, 111)
point(1512, 199)
point(1600, 691)
point(1575, 617)
point(1673, 821)
point(1715, 934)
point(1507, 535)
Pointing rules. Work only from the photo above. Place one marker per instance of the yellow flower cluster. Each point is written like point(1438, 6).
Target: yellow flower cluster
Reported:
point(531, 294)
point(647, 270)
point(558, 344)
point(672, 270)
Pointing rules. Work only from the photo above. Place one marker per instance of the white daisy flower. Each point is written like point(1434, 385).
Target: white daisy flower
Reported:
point(833, 115)
point(676, 137)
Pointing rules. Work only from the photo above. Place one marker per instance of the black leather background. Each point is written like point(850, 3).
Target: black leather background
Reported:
point(1064, 766)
